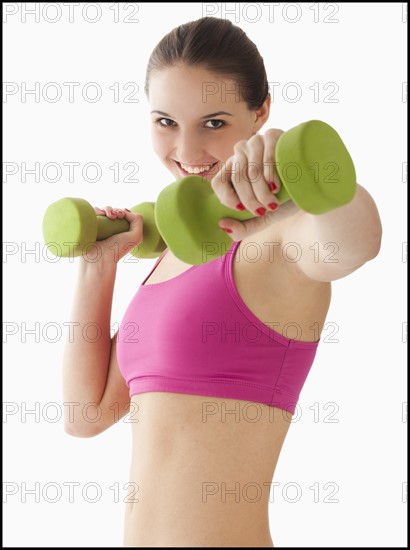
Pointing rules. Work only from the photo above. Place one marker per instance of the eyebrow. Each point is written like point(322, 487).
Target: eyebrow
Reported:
point(206, 116)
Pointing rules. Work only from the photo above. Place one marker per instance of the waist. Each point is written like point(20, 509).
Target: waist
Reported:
point(189, 497)
point(180, 523)
point(195, 449)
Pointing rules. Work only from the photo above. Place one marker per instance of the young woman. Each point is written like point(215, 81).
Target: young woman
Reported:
point(211, 359)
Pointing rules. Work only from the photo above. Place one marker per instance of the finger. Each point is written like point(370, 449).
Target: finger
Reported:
point(241, 182)
point(119, 212)
point(136, 230)
point(261, 191)
point(240, 230)
point(222, 185)
point(132, 216)
point(109, 212)
point(232, 184)
point(271, 174)
point(244, 185)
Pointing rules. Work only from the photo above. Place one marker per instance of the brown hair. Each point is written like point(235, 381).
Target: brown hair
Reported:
point(218, 46)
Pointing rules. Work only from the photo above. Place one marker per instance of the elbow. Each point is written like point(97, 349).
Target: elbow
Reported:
point(83, 431)
point(377, 244)
point(377, 249)
point(374, 232)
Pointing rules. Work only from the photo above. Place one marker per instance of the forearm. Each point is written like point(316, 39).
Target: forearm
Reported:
point(354, 228)
point(88, 346)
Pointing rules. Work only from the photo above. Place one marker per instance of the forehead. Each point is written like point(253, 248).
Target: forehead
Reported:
point(193, 90)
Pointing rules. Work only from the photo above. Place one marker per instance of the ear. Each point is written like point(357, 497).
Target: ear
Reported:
point(262, 114)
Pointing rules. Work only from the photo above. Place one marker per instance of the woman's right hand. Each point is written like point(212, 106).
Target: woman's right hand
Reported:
point(117, 246)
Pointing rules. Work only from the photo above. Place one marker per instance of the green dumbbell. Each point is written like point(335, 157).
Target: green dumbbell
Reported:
point(71, 226)
point(315, 170)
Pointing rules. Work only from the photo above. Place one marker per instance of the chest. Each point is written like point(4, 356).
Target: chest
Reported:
point(270, 286)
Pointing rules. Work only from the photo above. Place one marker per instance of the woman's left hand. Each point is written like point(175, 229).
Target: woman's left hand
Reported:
point(250, 178)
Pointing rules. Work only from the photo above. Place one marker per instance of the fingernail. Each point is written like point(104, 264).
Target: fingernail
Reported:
point(273, 205)
point(226, 229)
point(111, 212)
point(240, 206)
point(272, 186)
point(260, 211)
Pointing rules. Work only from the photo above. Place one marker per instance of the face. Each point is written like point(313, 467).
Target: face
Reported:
point(196, 119)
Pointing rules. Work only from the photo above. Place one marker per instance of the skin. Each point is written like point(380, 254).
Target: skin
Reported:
point(187, 137)
point(174, 450)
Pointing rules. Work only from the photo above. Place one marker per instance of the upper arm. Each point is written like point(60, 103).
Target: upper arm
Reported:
point(316, 261)
point(115, 402)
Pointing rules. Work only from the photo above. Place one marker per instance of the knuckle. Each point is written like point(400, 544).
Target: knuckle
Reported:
point(136, 222)
point(273, 132)
point(239, 145)
point(255, 141)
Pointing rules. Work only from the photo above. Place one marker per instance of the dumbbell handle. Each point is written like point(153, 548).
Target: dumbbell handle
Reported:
point(107, 227)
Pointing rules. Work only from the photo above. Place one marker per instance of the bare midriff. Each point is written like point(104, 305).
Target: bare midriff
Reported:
point(201, 470)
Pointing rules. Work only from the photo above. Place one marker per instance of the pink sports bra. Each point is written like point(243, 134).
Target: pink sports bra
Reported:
point(193, 334)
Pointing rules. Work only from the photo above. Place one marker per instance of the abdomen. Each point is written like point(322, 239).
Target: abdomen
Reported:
point(203, 467)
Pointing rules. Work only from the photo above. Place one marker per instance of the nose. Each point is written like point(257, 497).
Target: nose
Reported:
point(189, 148)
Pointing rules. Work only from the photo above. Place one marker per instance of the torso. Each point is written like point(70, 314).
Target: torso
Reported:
point(205, 479)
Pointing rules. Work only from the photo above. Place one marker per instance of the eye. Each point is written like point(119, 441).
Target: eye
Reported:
point(159, 122)
point(221, 122)
point(167, 122)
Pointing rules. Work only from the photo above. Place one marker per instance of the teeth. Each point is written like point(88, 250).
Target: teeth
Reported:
point(195, 170)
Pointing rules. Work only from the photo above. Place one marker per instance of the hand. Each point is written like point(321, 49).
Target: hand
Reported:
point(120, 244)
point(250, 177)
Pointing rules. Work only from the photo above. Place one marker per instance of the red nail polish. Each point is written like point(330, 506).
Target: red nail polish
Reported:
point(272, 186)
point(260, 211)
point(226, 229)
point(240, 206)
point(273, 205)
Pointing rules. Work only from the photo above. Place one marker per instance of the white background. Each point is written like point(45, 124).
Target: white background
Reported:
point(360, 368)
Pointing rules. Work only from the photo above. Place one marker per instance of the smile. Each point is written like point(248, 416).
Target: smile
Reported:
point(190, 170)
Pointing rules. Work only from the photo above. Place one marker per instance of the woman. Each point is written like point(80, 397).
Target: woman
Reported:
point(211, 359)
